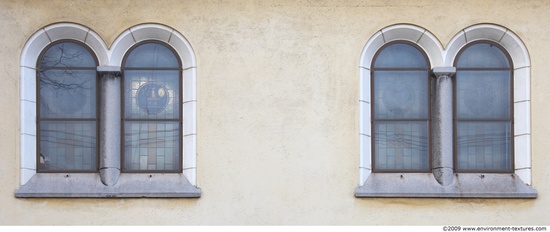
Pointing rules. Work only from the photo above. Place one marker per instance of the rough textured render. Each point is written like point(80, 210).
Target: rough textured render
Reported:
point(277, 132)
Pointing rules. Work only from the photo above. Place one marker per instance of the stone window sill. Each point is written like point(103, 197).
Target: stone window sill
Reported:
point(464, 185)
point(74, 185)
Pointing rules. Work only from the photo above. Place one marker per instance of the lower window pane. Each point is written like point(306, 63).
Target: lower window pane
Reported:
point(152, 146)
point(401, 146)
point(68, 146)
point(484, 146)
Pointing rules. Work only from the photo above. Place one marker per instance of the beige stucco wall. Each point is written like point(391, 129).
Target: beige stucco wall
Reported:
point(277, 110)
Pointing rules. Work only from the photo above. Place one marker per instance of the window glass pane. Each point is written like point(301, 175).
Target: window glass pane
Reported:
point(68, 145)
point(483, 55)
point(67, 55)
point(152, 146)
point(401, 146)
point(484, 146)
point(483, 94)
point(151, 55)
point(67, 93)
point(152, 94)
point(400, 56)
point(400, 94)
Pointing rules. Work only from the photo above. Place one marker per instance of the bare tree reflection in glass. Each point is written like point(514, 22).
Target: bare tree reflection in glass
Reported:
point(67, 124)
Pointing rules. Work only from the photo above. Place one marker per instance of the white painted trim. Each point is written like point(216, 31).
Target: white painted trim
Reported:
point(185, 52)
point(27, 80)
point(151, 31)
point(404, 32)
point(522, 91)
point(507, 39)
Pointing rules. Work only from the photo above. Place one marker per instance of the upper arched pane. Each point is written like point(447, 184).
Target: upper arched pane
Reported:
point(67, 55)
point(152, 55)
point(483, 55)
point(400, 55)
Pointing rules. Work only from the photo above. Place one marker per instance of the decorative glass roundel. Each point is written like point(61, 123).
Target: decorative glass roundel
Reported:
point(70, 101)
point(398, 98)
point(152, 98)
point(480, 98)
point(66, 101)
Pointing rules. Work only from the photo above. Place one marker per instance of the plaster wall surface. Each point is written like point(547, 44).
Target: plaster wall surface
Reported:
point(277, 110)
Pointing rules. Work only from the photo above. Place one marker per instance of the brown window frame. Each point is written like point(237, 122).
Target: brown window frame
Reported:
point(179, 168)
point(39, 68)
point(510, 69)
point(428, 100)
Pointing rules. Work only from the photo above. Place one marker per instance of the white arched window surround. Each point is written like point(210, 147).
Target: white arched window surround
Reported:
point(172, 38)
point(419, 36)
point(521, 73)
point(111, 60)
point(424, 185)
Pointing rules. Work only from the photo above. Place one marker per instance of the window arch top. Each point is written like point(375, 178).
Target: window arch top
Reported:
point(152, 55)
point(400, 55)
point(483, 55)
point(67, 55)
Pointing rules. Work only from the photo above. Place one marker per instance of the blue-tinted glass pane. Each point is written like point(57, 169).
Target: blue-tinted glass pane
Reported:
point(152, 94)
point(67, 55)
point(401, 146)
point(151, 146)
point(400, 56)
point(151, 55)
point(483, 94)
point(484, 146)
point(400, 94)
point(483, 55)
point(68, 145)
point(67, 93)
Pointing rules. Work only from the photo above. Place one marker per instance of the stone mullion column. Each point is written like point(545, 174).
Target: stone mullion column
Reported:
point(442, 125)
point(109, 124)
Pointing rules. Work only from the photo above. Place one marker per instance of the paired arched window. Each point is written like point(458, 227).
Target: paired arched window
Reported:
point(88, 111)
point(483, 109)
point(68, 109)
point(445, 122)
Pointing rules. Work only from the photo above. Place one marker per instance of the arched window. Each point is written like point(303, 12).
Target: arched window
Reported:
point(67, 109)
point(483, 109)
point(152, 109)
point(400, 109)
